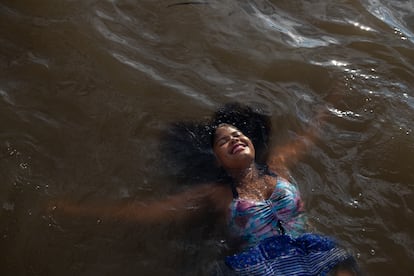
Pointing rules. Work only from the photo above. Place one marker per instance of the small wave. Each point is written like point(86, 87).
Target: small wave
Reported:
point(390, 17)
point(156, 75)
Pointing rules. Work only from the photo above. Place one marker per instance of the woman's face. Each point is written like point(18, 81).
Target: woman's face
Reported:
point(232, 148)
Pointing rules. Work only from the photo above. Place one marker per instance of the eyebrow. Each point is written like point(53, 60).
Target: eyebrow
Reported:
point(227, 135)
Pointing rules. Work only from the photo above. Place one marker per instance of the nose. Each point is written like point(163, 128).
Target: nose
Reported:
point(235, 139)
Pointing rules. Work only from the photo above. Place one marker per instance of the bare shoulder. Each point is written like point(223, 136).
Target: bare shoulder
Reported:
point(219, 195)
point(217, 190)
point(277, 165)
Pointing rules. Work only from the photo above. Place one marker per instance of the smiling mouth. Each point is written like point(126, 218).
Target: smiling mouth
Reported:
point(237, 148)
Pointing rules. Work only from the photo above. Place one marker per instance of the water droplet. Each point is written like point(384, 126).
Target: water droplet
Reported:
point(358, 255)
point(98, 221)
point(354, 203)
point(372, 252)
point(8, 206)
point(364, 230)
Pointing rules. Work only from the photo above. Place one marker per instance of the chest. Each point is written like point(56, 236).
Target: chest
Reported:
point(259, 190)
point(283, 200)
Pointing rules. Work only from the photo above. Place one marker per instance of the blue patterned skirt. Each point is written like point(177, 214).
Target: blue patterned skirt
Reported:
point(307, 255)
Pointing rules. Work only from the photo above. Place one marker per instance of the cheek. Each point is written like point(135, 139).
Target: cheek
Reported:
point(223, 157)
point(250, 144)
point(219, 153)
point(252, 148)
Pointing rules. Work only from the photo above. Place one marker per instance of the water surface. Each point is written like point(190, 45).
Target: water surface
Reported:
point(88, 88)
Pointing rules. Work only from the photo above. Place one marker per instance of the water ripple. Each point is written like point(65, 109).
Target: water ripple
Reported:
point(287, 56)
point(156, 75)
point(6, 97)
point(388, 16)
point(288, 26)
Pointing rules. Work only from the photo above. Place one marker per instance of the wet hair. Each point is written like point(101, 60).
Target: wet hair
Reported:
point(187, 146)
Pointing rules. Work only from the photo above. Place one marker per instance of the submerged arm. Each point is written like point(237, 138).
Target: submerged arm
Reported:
point(283, 157)
point(176, 207)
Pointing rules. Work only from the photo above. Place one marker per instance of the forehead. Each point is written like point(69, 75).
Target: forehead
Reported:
point(225, 129)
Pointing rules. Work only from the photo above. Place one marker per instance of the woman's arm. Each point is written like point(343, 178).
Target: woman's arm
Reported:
point(195, 201)
point(281, 158)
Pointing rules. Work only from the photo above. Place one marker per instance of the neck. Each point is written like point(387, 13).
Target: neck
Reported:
point(247, 175)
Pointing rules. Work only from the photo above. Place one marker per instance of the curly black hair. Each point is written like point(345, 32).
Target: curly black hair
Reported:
point(187, 145)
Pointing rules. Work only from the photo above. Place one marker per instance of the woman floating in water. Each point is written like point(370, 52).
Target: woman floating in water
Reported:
point(261, 206)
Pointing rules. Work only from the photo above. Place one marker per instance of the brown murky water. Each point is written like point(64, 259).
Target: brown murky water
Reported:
point(88, 88)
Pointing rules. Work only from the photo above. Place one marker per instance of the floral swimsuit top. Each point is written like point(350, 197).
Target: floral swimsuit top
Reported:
point(282, 213)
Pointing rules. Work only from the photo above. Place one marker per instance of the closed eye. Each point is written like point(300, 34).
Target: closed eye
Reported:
point(223, 140)
point(236, 134)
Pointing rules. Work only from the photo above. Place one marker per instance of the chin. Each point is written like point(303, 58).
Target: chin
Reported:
point(247, 159)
